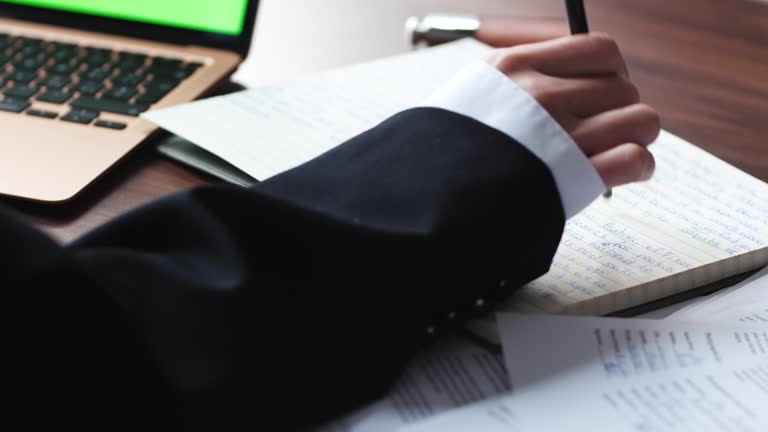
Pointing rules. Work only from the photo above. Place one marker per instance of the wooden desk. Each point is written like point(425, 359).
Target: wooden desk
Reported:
point(702, 63)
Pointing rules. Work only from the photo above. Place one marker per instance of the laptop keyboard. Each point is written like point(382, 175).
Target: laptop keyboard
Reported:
point(86, 79)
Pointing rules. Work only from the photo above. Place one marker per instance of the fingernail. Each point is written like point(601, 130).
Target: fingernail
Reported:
point(650, 167)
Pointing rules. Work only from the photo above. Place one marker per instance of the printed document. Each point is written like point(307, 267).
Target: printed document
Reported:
point(452, 374)
point(589, 374)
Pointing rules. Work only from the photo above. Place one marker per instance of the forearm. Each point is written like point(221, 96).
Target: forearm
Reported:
point(305, 296)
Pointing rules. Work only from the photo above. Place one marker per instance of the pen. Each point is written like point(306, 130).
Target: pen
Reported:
point(577, 19)
point(577, 16)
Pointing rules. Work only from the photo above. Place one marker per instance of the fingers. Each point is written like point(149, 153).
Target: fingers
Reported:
point(624, 164)
point(583, 82)
point(580, 97)
point(592, 54)
point(511, 32)
point(636, 123)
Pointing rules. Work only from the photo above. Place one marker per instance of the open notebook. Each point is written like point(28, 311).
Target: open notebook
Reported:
point(699, 220)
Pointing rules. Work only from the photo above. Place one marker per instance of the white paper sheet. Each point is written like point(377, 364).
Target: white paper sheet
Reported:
point(268, 130)
point(582, 374)
point(746, 302)
point(450, 375)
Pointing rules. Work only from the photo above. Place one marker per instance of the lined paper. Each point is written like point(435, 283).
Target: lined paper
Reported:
point(697, 221)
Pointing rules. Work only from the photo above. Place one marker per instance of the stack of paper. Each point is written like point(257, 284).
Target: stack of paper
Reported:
point(698, 221)
point(609, 374)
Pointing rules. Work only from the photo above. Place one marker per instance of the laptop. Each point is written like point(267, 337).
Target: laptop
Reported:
point(75, 76)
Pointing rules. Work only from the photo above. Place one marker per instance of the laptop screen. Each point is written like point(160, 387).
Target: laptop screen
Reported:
point(224, 17)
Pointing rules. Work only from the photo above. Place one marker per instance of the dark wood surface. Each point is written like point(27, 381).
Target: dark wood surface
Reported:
point(702, 63)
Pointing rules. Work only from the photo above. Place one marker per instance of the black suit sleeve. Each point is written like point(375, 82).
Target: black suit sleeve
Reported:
point(281, 306)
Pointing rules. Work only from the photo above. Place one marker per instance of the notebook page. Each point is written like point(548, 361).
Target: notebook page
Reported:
point(696, 213)
point(271, 129)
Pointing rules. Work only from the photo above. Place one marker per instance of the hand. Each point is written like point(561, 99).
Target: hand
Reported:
point(504, 33)
point(583, 82)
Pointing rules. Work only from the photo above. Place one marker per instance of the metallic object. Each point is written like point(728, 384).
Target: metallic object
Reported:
point(434, 29)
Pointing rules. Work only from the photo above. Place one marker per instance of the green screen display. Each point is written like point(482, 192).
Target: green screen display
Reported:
point(214, 16)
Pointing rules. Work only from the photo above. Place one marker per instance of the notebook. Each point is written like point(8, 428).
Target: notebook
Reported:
point(699, 220)
point(76, 74)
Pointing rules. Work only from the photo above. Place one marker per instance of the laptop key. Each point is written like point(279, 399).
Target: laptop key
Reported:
point(22, 76)
point(55, 96)
point(162, 84)
point(128, 79)
point(94, 75)
point(62, 68)
point(31, 63)
point(64, 54)
point(55, 81)
point(31, 50)
point(109, 105)
point(110, 124)
point(167, 63)
point(83, 116)
point(150, 97)
point(161, 72)
point(41, 113)
point(127, 63)
point(128, 66)
point(20, 91)
point(14, 104)
point(96, 61)
point(121, 93)
point(156, 90)
point(89, 88)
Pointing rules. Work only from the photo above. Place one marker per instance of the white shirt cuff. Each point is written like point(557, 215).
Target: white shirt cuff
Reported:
point(482, 92)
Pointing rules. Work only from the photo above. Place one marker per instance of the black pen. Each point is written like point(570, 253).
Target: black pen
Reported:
point(577, 19)
point(577, 16)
